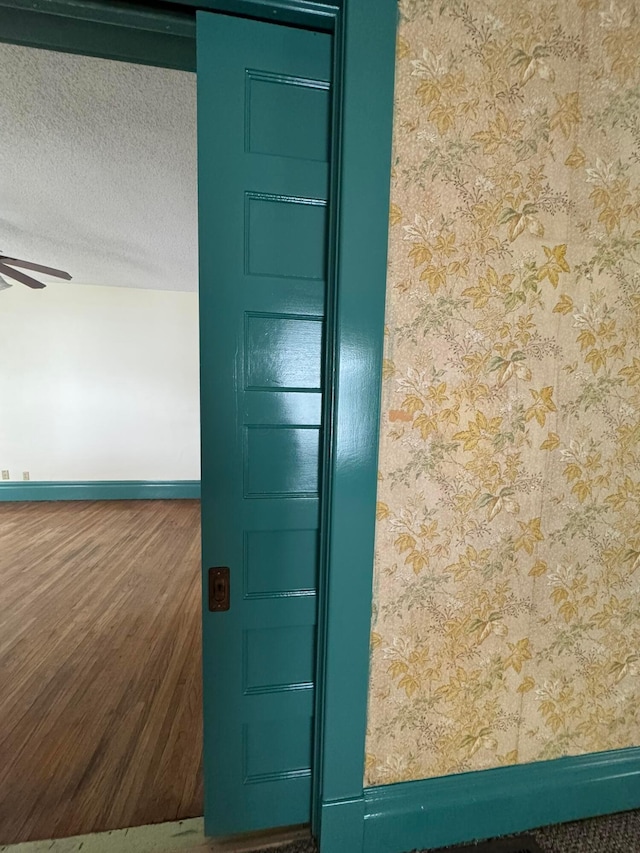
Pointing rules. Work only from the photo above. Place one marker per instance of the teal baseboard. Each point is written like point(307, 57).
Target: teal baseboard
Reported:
point(473, 806)
point(100, 490)
point(342, 826)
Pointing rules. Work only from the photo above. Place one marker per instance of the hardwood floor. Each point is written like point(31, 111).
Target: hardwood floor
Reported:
point(100, 684)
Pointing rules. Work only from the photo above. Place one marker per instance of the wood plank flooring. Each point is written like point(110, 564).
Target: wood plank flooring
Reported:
point(100, 682)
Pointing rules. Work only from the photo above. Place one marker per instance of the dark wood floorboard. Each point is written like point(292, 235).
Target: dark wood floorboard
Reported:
point(100, 684)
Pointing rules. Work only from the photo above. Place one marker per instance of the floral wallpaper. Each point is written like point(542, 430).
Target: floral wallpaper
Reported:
point(506, 625)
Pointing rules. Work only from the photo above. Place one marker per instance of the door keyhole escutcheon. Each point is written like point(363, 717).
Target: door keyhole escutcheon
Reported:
point(219, 589)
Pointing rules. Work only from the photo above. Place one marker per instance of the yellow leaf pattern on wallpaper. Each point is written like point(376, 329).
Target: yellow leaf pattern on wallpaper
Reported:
point(506, 625)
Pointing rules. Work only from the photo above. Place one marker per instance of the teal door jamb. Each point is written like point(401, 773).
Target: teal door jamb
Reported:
point(317, 15)
point(156, 33)
point(364, 59)
point(123, 31)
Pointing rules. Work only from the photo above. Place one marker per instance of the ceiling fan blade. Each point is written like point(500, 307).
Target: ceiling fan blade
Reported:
point(21, 277)
point(27, 265)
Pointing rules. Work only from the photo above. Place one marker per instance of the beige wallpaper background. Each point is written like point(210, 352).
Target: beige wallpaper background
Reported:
point(506, 623)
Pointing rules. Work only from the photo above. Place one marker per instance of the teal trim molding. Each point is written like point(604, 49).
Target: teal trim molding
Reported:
point(153, 32)
point(123, 31)
point(365, 56)
point(474, 806)
point(98, 490)
point(314, 14)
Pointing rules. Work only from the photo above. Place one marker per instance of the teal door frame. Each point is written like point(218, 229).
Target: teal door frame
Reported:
point(364, 34)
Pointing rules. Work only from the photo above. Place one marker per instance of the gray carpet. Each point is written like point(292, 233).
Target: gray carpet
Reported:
point(618, 833)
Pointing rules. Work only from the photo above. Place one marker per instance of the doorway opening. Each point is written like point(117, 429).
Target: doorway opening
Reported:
point(101, 709)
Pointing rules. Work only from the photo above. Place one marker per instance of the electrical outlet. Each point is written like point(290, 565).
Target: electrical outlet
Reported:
point(25, 475)
point(5, 474)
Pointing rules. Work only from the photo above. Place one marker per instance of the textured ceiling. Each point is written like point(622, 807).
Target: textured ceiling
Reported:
point(98, 168)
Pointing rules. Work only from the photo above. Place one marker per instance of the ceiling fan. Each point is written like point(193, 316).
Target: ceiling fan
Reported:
point(6, 270)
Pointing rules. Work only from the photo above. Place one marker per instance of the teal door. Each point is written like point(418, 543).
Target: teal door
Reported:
point(263, 138)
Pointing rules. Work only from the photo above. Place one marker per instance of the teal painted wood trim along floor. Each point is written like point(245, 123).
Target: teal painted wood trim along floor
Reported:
point(99, 490)
point(473, 806)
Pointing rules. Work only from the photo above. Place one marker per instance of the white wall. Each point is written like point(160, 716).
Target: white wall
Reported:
point(99, 383)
